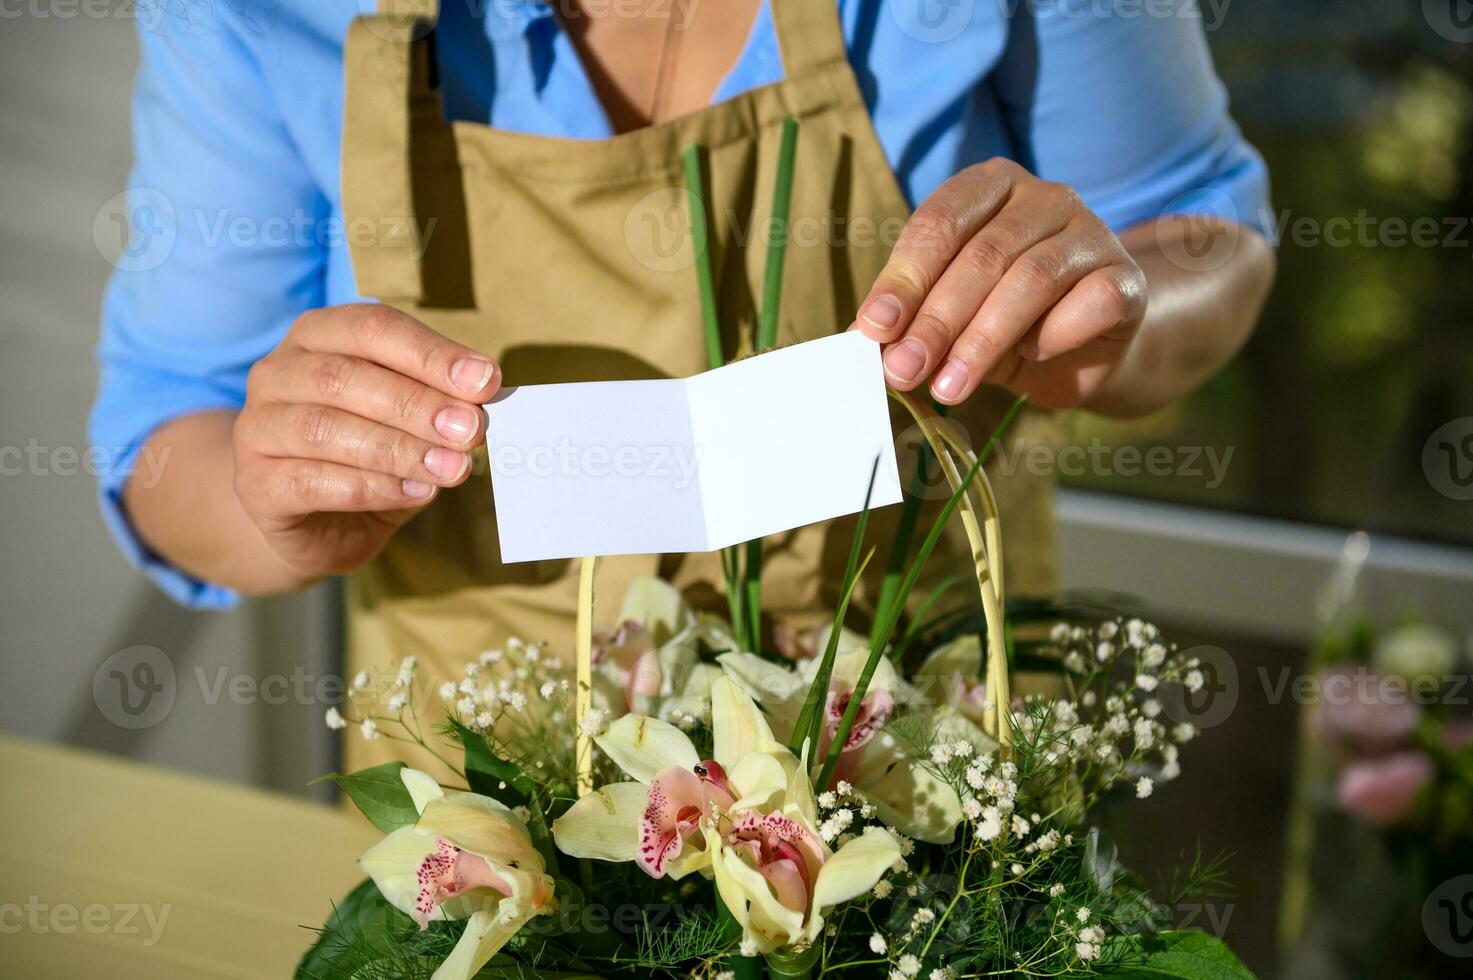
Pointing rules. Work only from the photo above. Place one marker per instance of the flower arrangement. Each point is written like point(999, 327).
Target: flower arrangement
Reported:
point(685, 799)
point(677, 800)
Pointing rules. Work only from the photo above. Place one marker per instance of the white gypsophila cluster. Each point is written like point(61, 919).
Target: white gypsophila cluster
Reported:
point(1116, 729)
point(518, 697)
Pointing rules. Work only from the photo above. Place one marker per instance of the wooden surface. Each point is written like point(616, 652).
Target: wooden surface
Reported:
point(109, 868)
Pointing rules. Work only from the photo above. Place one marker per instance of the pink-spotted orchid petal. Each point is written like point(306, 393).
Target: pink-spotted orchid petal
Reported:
point(750, 897)
point(394, 865)
point(672, 813)
point(644, 747)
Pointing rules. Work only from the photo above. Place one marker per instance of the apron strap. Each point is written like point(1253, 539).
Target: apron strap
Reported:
point(809, 35)
point(389, 94)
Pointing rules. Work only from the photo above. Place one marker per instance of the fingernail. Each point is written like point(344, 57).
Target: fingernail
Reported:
point(905, 360)
point(882, 312)
point(455, 423)
point(416, 490)
point(1028, 349)
point(950, 382)
point(471, 373)
point(447, 464)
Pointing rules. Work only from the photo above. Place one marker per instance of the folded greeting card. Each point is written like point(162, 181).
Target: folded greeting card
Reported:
point(764, 445)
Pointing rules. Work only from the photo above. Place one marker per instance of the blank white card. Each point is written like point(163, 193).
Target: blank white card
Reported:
point(774, 442)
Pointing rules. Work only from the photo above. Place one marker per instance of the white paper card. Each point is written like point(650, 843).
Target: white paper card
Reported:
point(765, 445)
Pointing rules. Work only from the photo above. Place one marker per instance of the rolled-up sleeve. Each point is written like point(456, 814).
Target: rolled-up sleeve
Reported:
point(1123, 104)
point(219, 257)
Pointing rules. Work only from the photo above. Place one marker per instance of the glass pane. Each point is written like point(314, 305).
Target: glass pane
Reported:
point(1353, 403)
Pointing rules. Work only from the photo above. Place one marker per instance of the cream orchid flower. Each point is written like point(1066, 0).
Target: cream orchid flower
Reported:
point(650, 663)
point(746, 817)
point(467, 857)
point(905, 795)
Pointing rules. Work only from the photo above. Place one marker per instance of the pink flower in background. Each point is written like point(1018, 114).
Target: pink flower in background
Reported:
point(1383, 791)
point(1358, 709)
point(1458, 735)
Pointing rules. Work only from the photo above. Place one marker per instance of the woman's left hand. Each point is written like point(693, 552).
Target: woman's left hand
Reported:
point(1004, 278)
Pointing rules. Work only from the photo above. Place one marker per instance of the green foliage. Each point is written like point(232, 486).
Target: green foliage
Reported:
point(366, 938)
point(1184, 955)
point(487, 773)
point(379, 793)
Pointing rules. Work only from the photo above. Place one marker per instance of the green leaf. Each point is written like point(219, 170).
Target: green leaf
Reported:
point(489, 774)
point(1183, 954)
point(359, 931)
point(891, 616)
point(379, 793)
point(809, 718)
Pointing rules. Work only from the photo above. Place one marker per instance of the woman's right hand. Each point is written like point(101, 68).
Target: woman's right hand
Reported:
point(350, 426)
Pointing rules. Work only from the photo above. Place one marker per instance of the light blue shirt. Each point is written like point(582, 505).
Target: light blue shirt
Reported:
point(236, 213)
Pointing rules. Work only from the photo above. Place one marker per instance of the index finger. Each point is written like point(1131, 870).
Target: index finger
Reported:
point(402, 344)
point(935, 233)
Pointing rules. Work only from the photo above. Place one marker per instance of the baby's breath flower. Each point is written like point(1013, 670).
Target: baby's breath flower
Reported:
point(908, 965)
point(1184, 732)
point(593, 722)
point(360, 680)
point(1194, 681)
point(943, 973)
point(877, 944)
point(547, 690)
point(369, 729)
point(397, 701)
point(882, 889)
point(335, 719)
point(447, 691)
point(1082, 914)
point(1143, 787)
point(749, 947)
point(1146, 682)
point(1055, 891)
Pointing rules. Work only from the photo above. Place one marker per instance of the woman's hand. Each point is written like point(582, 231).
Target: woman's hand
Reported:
point(1004, 278)
point(349, 427)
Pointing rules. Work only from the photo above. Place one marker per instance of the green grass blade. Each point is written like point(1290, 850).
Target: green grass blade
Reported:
point(808, 718)
point(891, 618)
point(910, 514)
point(777, 245)
point(695, 186)
point(752, 593)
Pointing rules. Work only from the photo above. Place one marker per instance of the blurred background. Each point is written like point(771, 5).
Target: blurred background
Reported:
point(1351, 410)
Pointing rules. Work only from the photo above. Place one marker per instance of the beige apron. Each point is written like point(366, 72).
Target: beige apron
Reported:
point(568, 260)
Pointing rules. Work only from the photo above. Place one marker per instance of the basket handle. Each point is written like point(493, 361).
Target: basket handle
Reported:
point(978, 509)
